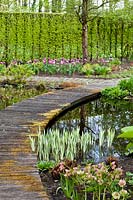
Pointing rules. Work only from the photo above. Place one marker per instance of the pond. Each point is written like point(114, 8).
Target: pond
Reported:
point(99, 118)
point(10, 94)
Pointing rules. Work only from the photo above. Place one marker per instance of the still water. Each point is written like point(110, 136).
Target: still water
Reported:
point(96, 117)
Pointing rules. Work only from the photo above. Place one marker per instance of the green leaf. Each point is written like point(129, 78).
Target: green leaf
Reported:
point(127, 132)
point(130, 146)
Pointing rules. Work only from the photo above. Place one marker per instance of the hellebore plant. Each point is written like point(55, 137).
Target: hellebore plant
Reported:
point(96, 181)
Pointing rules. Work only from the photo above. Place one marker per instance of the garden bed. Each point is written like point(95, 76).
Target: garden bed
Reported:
point(52, 186)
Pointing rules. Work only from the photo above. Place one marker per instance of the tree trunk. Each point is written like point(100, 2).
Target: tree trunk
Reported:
point(40, 5)
point(33, 5)
point(25, 3)
point(85, 42)
point(85, 31)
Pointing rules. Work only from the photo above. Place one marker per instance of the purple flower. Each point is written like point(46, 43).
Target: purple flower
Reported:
point(62, 62)
point(2, 63)
point(51, 61)
point(35, 60)
point(44, 60)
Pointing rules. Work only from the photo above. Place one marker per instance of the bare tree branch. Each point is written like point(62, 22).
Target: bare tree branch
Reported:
point(80, 14)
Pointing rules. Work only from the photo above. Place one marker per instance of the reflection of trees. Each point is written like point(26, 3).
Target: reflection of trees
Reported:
point(82, 119)
point(98, 115)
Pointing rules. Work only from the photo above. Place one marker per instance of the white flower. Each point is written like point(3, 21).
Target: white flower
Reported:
point(123, 192)
point(116, 195)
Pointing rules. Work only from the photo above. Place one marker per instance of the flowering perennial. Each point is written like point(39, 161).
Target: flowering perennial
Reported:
point(97, 181)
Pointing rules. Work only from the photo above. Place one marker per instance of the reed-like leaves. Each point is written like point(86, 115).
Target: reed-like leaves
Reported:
point(58, 146)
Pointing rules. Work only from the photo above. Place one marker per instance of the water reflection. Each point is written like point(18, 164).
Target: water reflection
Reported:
point(97, 116)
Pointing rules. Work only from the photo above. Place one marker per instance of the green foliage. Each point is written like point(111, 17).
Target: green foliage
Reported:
point(45, 165)
point(127, 133)
point(95, 69)
point(129, 149)
point(114, 62)
point(36, 67)
point(96, 181)
point(127, 84)
point(87, 69)
point(55, 68)
point(122, 74)
point(2, 69)
point(25, 36)
point(62, 146)
point(129, 178)
point(114, 93)
point(101, 70)
point(123, 89)
point(17, 74)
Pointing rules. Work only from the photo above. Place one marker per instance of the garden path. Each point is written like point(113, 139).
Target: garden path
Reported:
point(19, 178)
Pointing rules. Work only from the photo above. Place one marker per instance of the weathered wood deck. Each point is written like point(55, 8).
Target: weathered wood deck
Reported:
point(19, 178)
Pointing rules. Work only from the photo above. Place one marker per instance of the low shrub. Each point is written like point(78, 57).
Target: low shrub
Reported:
point(122, 90)
point(95, 69)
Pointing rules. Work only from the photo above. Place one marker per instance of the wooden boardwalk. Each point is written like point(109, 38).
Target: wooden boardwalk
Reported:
point(19, 178)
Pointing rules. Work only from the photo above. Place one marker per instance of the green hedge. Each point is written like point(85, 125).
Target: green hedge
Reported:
point(26, 36)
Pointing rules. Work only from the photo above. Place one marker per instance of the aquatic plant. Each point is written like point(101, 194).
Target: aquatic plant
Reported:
point(32, 143)
point(110, 137)
point(59, 146)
